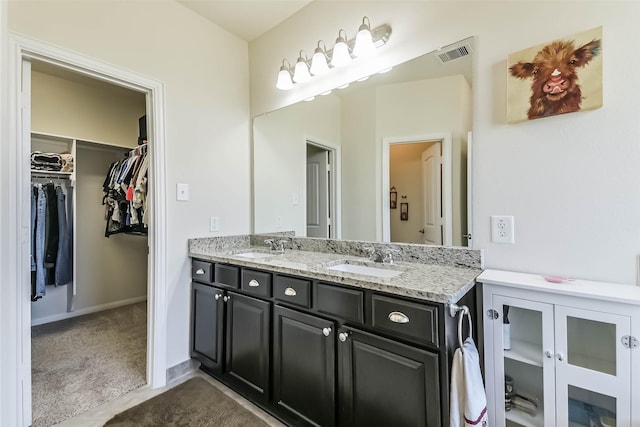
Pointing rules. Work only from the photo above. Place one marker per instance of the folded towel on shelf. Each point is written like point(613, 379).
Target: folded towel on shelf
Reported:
point(468, 400)
point(46, 161)
point(66, 162)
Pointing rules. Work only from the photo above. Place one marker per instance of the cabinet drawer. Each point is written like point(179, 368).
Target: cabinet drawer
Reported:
point(418, 322)
point(292, 290)
point(341, 302)
point(256, 282)
point(202, 271)
point(227, 275)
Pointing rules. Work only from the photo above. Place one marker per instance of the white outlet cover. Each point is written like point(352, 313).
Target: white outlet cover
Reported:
point(502, 229)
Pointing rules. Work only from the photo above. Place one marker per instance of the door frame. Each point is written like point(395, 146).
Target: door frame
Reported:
point(18, 222)
point(447, 198)
point(336, 196)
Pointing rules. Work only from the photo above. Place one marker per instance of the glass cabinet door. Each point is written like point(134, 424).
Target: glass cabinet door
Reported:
point(593, 374)
point(524, 346)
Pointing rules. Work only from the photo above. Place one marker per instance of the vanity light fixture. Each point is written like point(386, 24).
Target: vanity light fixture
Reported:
point(319, 63)
point(363, 45)
point(301, 72)
point(284, 77)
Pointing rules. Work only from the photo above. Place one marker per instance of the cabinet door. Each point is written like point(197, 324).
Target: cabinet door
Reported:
point(523, 363)
point(207, 331)
point(386, 383)
point(304, 366)
point(247, 359)
point(593, 368)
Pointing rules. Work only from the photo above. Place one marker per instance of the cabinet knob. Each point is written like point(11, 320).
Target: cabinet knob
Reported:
point(200, 271)
point(342, 336)
point(326, 332)
point(560, 356)
point(290, 292)
point(226, 298)
point(254, 283)
point(548, 354)
point(217, 296)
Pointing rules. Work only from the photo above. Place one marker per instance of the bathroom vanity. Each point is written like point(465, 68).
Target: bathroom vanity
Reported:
point(329, 337)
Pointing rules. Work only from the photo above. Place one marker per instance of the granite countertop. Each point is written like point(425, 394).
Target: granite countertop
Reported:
point(431, 282)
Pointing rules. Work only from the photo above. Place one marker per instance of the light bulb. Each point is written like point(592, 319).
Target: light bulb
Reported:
point(364, 41)
point(319, 62)
point(301, 72)
point(284, 79)
point(341, 55)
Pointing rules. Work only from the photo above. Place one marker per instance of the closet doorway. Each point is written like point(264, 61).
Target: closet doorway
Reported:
point(92, 158)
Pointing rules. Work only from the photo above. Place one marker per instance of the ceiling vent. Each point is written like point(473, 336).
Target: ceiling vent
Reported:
point(456, 53)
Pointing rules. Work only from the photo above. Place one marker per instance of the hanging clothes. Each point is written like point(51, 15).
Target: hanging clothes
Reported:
point(51, 238)
point(125, 194)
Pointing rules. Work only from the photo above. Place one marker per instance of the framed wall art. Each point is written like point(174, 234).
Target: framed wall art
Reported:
point(559, 77)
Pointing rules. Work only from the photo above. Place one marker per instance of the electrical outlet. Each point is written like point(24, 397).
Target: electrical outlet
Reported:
point(214, 223)
point(502, 230)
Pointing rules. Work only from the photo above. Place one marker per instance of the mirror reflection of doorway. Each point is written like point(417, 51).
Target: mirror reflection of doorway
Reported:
point(320, 191)
point(415, 169)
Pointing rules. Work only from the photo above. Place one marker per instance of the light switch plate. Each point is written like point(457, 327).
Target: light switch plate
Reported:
point(182, 192)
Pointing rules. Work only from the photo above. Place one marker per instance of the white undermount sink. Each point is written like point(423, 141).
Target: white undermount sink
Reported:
point(254, 255)
point(365, 270)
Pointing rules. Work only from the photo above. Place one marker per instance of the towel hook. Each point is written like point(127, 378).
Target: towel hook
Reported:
point(461, 311)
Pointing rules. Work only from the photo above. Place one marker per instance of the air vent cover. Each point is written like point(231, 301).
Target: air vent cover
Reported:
point(456, 53)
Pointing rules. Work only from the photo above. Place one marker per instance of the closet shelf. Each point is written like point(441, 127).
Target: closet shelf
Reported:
point(51, 173)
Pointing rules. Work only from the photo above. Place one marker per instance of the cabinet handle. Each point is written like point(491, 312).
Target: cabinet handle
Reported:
point(326, 332)
point(290, 292)
point(548, 354)
point(226, 298)
point(200, 271)
point(254, 283)
point(398, 317)
point(217, 296)
point(342, 336)
point(560, 356)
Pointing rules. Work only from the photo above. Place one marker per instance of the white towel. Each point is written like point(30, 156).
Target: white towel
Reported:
point(468, 402)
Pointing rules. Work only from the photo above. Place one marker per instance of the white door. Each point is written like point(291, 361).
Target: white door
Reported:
point(432, 195)
point(469, 236)
point(317, 192)
point(525, 358)
point(593, 367)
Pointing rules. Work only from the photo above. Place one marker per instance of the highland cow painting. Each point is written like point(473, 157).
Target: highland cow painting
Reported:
point(563, 76)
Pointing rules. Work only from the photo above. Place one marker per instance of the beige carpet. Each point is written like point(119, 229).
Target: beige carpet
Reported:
point(81, 363)
point(192, 403)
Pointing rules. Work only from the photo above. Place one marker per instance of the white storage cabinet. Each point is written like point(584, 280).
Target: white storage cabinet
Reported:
point(573, 351)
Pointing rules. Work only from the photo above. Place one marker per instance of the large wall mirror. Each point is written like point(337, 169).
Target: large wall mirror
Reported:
point(386, 159)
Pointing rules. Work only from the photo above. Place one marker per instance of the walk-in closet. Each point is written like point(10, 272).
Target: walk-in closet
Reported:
point(89, 244)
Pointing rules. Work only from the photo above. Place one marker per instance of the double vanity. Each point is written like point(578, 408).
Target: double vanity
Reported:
point(325, 332)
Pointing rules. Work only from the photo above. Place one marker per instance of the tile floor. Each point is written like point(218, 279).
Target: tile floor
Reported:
point(98, 416)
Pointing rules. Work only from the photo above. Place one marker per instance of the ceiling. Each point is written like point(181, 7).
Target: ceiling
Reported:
point(247, 19)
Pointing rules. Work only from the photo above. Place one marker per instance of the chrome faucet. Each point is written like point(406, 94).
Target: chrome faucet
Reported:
point(375, 255)
point(271, 244)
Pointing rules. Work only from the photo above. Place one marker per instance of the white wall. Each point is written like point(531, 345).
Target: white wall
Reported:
point(76, 108)
point(571, 181)
point(280, 154)
point(205, 74)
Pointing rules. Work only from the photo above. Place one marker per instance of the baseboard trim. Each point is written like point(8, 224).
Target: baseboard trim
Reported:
point(88, 310)
point(181, 369)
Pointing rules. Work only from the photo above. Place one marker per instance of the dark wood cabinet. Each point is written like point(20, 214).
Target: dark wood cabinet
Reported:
point(247, 344)
point(304, 367)
point(386, 383)
point(314, 353)
point(207, 320)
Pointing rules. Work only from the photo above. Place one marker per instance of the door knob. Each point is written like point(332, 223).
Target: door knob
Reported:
point(217, 296)
point(548, 354)
point(342, 336)
point(326, 332)
point(227, 298)
point(421, 231)
point(560, 356)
